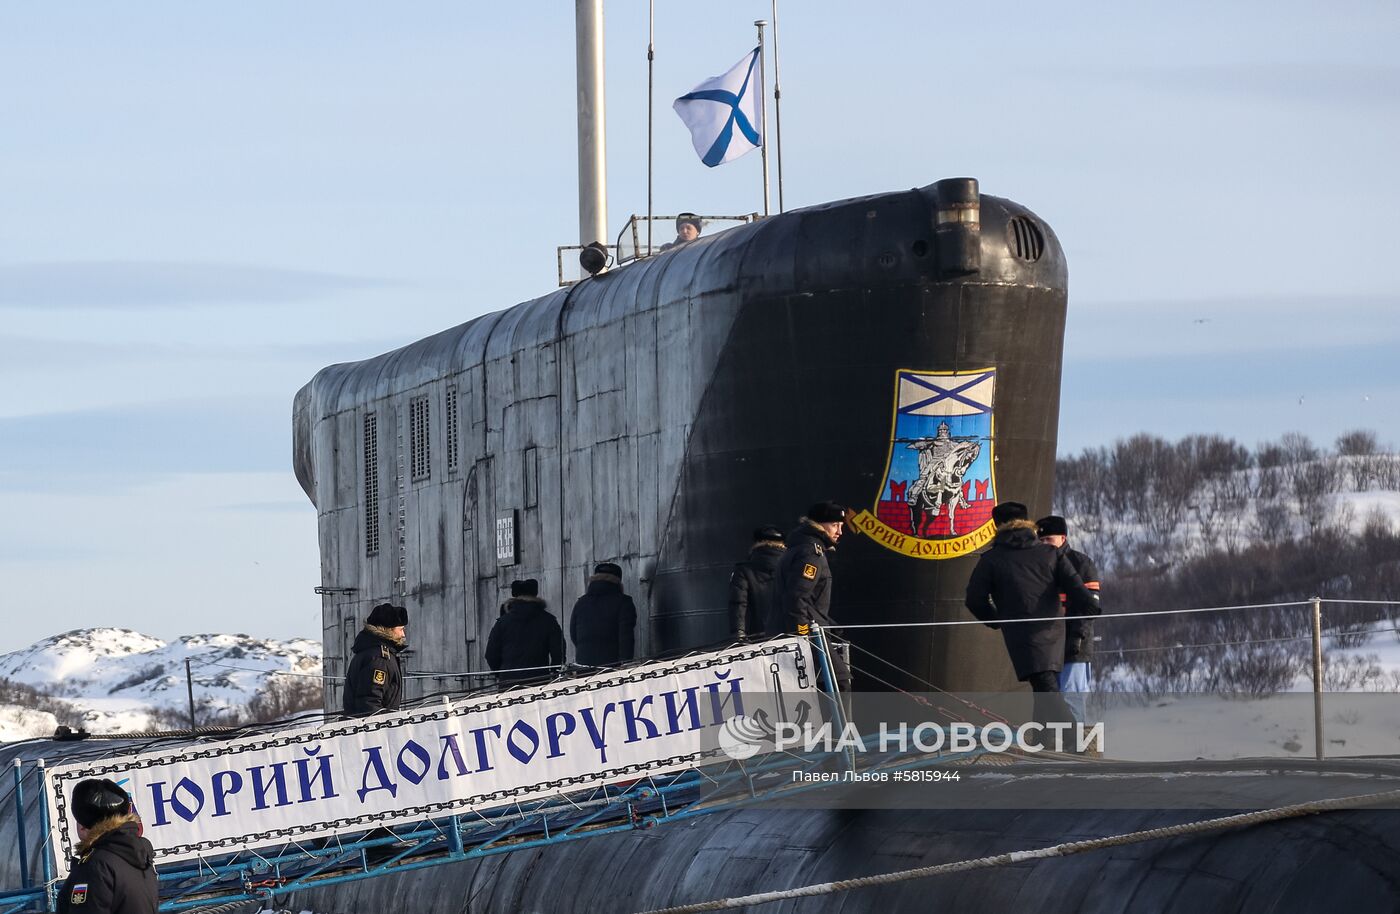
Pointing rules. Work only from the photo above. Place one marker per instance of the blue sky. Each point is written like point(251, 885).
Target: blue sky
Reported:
point(200, 205)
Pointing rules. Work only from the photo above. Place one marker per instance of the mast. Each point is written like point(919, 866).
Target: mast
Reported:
point(592, 124)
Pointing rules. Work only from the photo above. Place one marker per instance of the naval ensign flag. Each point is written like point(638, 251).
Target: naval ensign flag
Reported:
point(725, 114)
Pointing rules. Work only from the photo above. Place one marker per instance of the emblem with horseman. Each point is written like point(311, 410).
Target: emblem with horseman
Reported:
point(937, 490)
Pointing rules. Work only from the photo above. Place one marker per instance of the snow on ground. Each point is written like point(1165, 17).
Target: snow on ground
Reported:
point(1213, 727)
point(115, 677)
point(17, 723)
point(1364, 720)
point(1361, 507)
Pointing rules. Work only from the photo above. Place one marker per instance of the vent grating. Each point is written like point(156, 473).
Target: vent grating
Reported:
point(421, 458)
point(451, 435)
point(371, 448)
point(1027, 241)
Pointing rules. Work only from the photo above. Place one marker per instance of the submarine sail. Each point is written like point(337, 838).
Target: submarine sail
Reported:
point(899, 353)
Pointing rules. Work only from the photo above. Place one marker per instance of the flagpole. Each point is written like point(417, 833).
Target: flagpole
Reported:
point(778, 105)
point(651, 107)
point(763, 110)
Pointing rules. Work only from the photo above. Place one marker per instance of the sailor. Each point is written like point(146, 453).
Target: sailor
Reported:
point(688, 228)
point(374, 678)
point(604, 621)
point(114, 872)
point(1022, 578)
point(526, 640)
point(1079, 633)
point(753, 585)
point(804, 581)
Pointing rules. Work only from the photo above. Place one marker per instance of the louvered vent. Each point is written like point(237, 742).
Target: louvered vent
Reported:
point(421, 458)
point(451, 435)
point(371, 447)
point(1027, 241)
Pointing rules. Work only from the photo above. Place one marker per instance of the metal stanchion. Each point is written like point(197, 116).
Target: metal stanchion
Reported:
point(1317, 673)
point(828, 672)
point(50, 887)
point(22, 838)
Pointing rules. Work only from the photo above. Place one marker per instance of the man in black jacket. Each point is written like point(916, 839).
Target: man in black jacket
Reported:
point(526, 639)
point(753, 585)
point(374, 678)
point(1079, 633)
point(804, 581)
point(114, 872)
point(1022, 578)
point(604, 621)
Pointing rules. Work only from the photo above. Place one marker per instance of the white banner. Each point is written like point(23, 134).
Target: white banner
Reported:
point(210, 799)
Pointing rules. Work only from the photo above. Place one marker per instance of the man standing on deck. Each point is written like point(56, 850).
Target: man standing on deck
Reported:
point(804, 582)
point(604, 621)
point(1079, 633)
point(114, 872)
point(1021, 578)
point(526, 640)
point(374, 678)
point(754, 586)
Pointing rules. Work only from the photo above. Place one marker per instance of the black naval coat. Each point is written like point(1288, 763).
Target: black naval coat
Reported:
point(116, 876)
point(1079, 633)
point(526, 636)
point(374, 678)
point(753, 589)
point(804, 582)
point(603, 625)
point(804, 590)
point(1022, 578)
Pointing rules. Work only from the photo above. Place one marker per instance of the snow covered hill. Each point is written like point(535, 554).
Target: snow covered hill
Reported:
point(115, 678)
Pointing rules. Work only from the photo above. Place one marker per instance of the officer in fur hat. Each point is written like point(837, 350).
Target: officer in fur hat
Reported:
point(527, 639)
point(753, 586)
point(114, 872)
point(604, 621)
point(1021, 578)
point(374, 678)
point(1079, 633)
point(804, 580)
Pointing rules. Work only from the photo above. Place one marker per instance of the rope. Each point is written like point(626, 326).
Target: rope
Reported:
point(1058, 850)
point(1177, 647)
point(250, 669)
point(482, 673)
point(1160, 612)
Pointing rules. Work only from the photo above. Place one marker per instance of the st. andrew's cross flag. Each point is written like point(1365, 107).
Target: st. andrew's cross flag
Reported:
point(725, 114)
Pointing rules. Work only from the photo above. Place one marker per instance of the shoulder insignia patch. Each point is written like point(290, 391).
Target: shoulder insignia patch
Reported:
point(380, 677)
point(80, 893)
point(809, 572)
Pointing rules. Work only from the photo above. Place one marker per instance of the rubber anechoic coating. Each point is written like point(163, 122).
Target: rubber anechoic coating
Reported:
point(95, 800)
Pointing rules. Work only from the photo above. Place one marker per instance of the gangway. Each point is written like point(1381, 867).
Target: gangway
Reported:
point(713, 783)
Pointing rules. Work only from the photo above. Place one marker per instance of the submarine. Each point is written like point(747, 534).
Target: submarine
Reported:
point(899, 353)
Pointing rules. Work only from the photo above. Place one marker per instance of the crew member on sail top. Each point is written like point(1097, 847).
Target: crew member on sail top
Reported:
point(688, 228)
